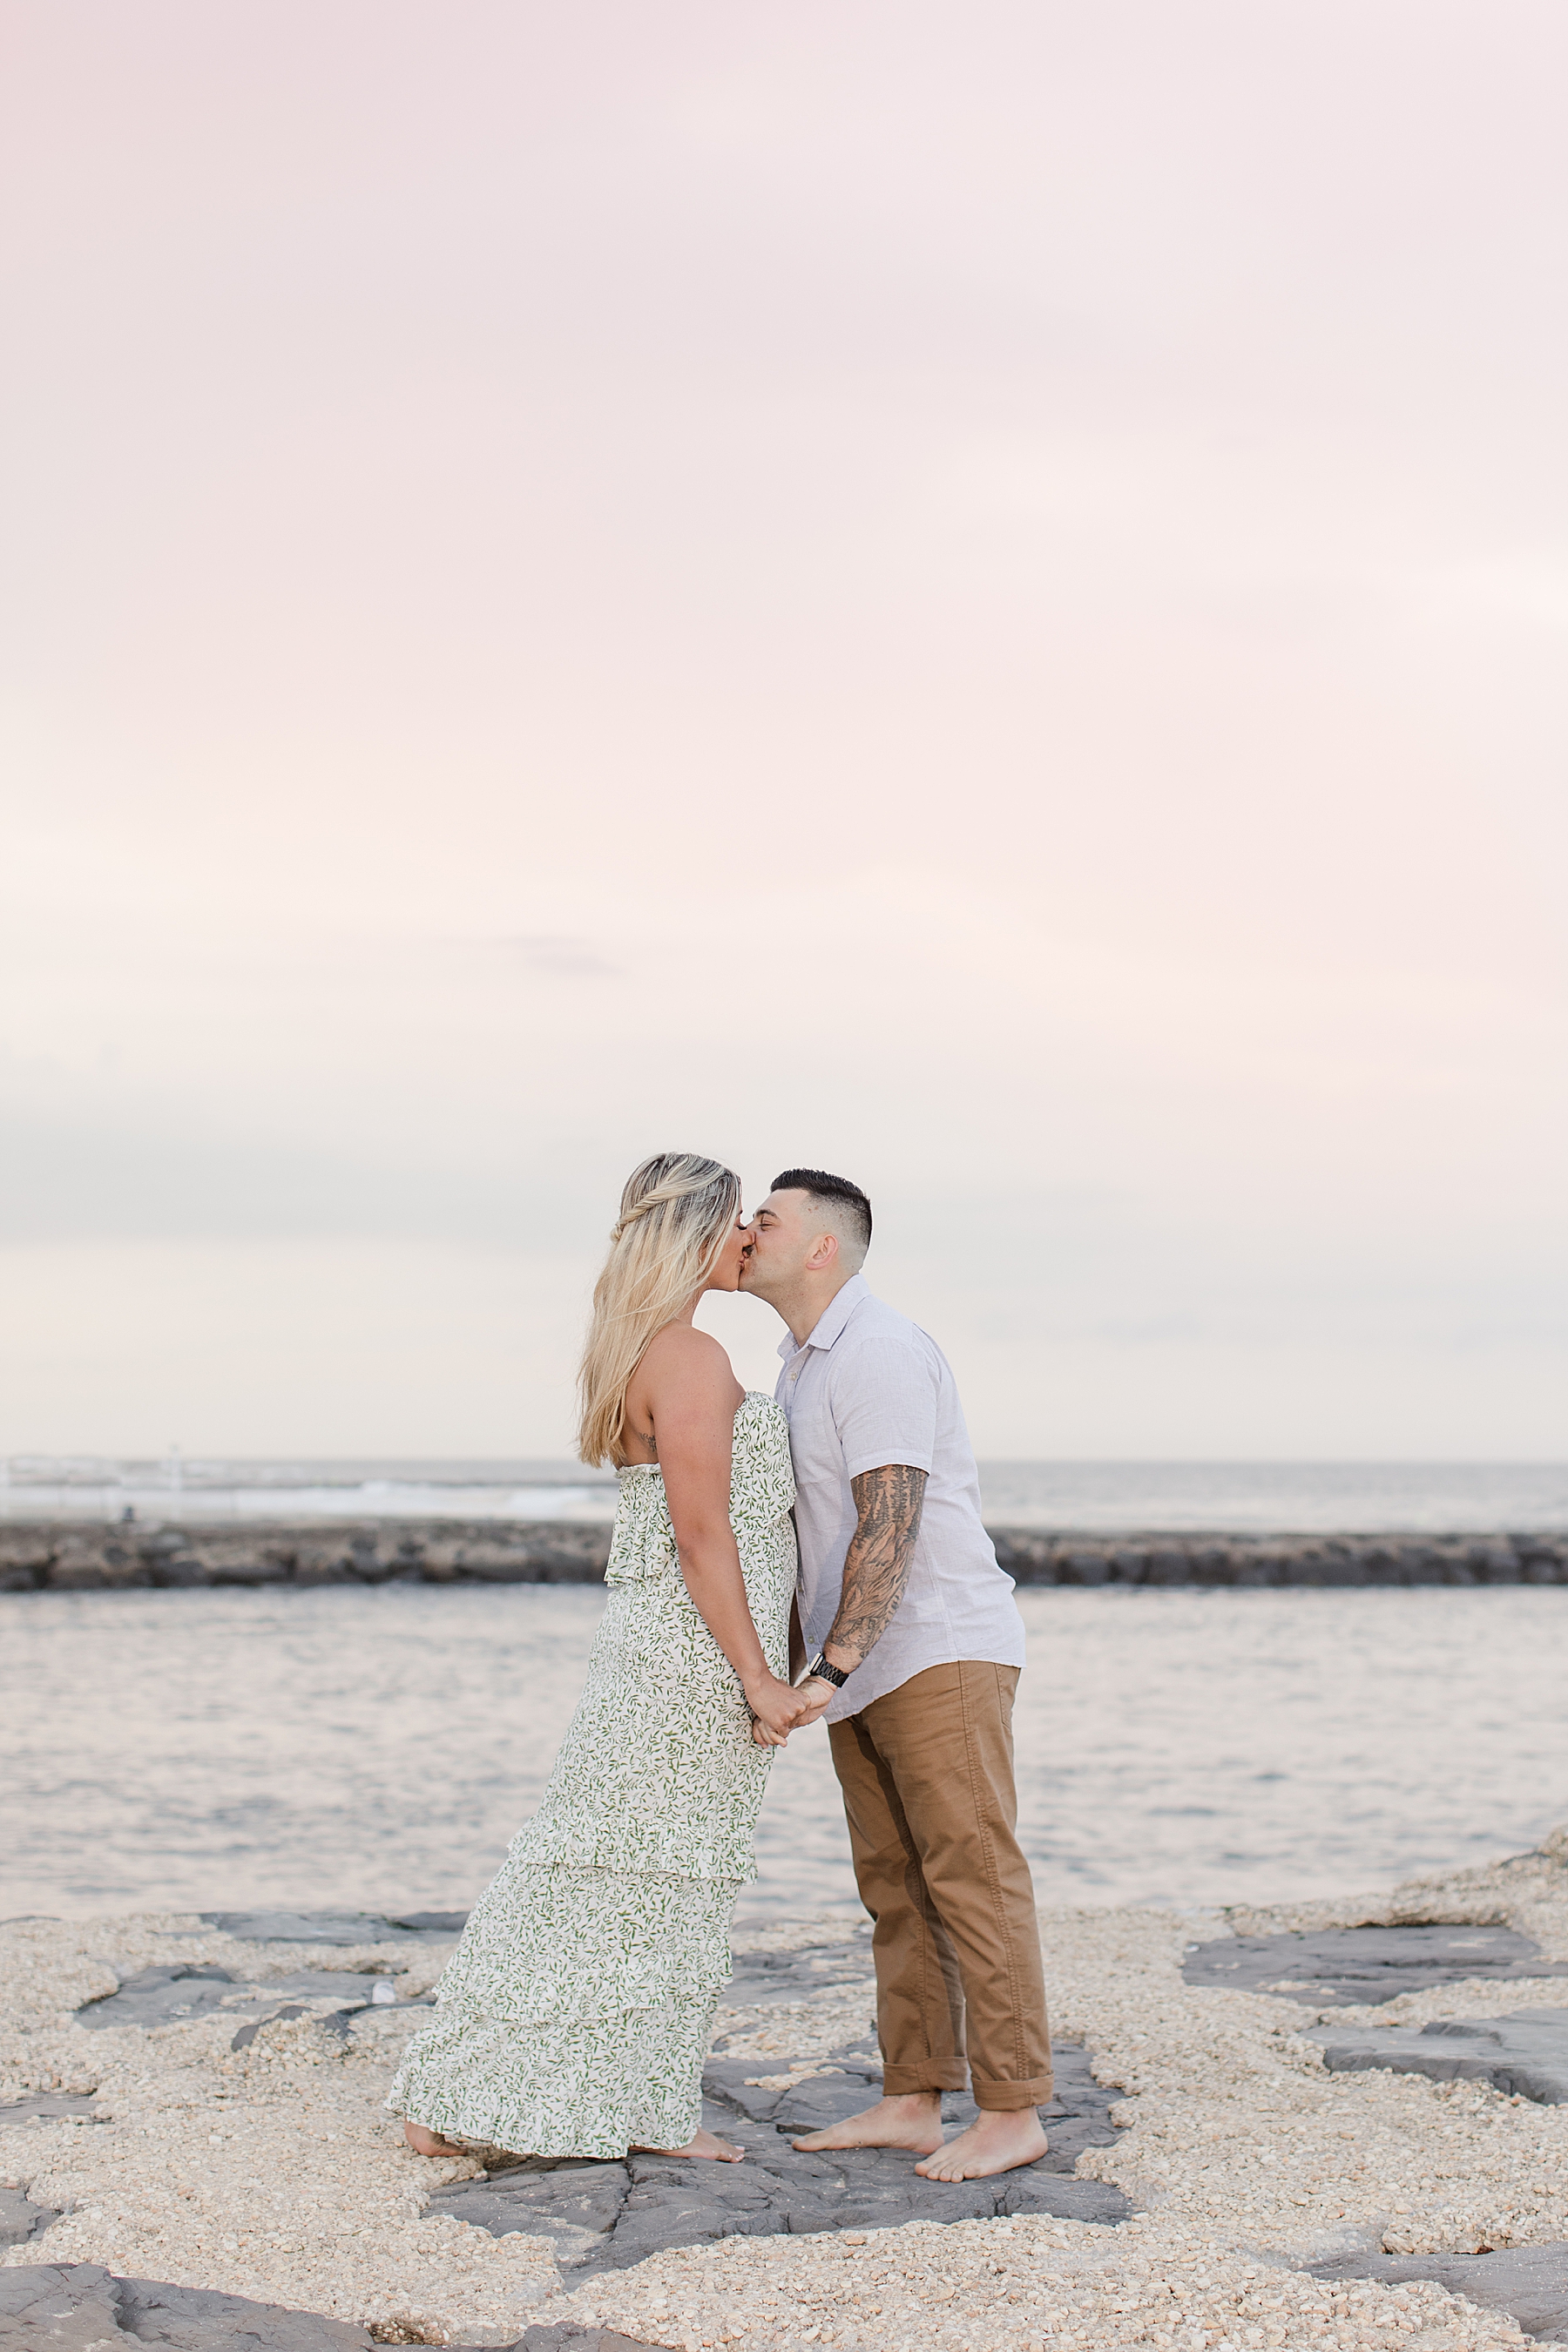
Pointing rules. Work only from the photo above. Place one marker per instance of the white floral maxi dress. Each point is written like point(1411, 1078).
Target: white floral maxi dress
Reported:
point(573, 2018)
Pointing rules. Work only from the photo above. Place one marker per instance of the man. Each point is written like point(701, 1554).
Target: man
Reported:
point(906, 1613)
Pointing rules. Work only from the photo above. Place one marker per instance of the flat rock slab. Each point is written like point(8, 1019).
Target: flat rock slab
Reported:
point(764, 1980)
point(1337, 1966)
point(607, 2216)
point(567, 2338)
point(174, 1995)
point(1529, 2282)
point(22, 2221)
point(337, 1926)
point(1077, 2117)
point(50, 2107)
point(1524, 2053)
point(168, 1995)
point(78, 2307)
point(161, 1996)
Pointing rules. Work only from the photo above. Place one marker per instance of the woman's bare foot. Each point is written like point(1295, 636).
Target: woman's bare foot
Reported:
point(912, 2120)
point(998, 2140)
point(705, 2144)
point(429, 2143)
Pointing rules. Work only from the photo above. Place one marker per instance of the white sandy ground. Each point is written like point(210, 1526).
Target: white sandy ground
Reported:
point(273, 2172)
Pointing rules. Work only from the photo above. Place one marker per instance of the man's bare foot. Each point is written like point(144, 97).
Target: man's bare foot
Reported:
point(429, 2143)
point(999, 2139)
point(705, 2144)
point(911, 2120)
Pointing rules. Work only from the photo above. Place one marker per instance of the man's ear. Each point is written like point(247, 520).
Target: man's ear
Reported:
point(822, 1253)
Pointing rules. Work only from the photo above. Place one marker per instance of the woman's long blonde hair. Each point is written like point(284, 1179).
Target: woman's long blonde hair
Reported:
point(675, 1215)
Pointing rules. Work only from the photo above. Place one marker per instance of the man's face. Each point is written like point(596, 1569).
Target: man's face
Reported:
point(783, 1238)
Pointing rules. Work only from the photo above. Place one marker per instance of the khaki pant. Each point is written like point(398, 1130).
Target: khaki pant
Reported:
point(927, 1775)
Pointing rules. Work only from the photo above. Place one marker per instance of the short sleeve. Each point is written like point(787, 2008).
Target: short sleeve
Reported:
point(884, 1402)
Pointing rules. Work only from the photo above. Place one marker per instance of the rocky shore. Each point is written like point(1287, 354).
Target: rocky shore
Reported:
point(1339, 2125)
point(64, 1556)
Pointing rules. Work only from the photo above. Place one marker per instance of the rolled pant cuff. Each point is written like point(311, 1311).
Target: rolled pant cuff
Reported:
point(938, 2074)
point(998, 2098)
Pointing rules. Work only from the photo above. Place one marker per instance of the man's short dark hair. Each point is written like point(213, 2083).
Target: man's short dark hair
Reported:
point(823, 1187)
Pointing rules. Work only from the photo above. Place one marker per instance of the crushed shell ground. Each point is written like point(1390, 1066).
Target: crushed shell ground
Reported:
point(273, 2172)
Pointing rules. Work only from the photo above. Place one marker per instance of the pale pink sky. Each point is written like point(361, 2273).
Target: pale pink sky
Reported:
point(976, 596)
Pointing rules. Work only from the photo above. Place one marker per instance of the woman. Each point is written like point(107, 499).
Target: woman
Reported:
point(574, 2015)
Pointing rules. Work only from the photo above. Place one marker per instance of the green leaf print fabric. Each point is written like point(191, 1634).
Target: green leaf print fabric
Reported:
point(573, 2018)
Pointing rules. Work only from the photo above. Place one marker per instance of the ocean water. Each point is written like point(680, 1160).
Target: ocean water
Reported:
point(379, 1747)
point(158, 1493)
point(1299, 1497)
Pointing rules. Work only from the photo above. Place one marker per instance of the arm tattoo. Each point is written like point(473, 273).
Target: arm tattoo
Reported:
point(877, 1567)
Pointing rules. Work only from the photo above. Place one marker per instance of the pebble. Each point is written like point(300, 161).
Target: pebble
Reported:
point(272, 2172)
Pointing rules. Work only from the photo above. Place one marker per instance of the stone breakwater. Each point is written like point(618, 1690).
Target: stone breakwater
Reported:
point(1240, 1562)
point(57, 1556)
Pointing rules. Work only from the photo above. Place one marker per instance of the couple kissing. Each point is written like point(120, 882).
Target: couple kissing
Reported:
point(774, 1561)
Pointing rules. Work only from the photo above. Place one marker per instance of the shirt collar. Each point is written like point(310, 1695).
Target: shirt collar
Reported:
point(829, 1326)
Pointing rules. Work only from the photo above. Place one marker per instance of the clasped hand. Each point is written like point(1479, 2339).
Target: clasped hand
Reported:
point(778, 1708)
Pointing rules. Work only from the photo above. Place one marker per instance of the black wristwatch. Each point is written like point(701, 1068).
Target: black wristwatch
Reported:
point(828, 1673)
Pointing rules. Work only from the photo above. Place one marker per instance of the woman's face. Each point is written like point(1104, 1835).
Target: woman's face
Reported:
point(726, 1274)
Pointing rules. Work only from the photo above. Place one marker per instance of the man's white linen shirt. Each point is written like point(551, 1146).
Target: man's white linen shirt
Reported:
point(868, 1388)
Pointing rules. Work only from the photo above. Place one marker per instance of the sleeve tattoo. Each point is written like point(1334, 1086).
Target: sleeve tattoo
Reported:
point(877, 1567)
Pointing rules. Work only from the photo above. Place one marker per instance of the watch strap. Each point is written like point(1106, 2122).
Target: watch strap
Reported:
point(828, 1673)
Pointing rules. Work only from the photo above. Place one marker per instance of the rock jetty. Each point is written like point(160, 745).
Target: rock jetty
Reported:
point(75, 1555)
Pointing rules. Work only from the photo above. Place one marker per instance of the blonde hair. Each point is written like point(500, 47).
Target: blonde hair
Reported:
point(676, 1214)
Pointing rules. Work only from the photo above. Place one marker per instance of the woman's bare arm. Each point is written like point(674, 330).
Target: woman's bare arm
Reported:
point(692, 1395)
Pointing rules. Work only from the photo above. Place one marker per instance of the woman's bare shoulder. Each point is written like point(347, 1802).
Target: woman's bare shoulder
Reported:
point(680, 1356)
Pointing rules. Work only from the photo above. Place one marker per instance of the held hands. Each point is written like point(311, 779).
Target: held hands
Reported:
point(778, 1709)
